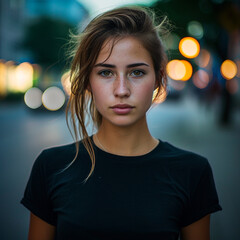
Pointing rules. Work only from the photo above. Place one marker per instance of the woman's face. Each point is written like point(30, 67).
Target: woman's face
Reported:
point(122, 83)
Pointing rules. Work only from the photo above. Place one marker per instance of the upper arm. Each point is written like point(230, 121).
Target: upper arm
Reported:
point(39, 229)
point(199, 230)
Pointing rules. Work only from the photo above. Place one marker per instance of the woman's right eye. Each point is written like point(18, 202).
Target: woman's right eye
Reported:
point(105, 73)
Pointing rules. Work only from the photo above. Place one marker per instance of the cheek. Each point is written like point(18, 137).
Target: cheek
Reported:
point(96, 95)
point(146, 92)
point(99, 96)
point(95, 88)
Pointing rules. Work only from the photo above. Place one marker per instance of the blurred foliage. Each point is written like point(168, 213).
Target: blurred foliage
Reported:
point(46, 39)
point(218, 19)
point(184, 11)
point(221, 24)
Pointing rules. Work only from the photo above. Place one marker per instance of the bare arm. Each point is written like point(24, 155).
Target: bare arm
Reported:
point(199, 230)
point(39, 229)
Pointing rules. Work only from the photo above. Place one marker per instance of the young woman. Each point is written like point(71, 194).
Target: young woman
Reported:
point(120, 183)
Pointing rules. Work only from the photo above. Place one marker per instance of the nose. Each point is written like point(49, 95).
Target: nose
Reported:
point(121, 87)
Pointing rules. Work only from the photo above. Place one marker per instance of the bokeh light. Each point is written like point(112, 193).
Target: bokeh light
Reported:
point(203, 59)
point(10, 67)
point(176, 69)
point(189, 47)
point(3, 76)
point(189, 70)
point(20, 78)
point(201, 78)
point(53, 98)
point(33, 98)
point(65, 80)
point(24, 76)
point(179, 70)
point(195, 29)
point(228, 69)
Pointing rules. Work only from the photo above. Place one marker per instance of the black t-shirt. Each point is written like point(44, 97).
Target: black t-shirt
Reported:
point(151, 196)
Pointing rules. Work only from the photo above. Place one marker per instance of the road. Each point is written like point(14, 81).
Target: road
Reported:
point(185, 123)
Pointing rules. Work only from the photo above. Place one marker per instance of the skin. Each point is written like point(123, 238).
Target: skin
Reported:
point(39, 229)
point(126, 76)
point(199, 230)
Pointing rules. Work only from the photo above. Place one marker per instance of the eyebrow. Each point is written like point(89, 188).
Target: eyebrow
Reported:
point(113, 66)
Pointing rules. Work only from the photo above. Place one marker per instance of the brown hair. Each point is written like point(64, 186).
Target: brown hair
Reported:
point(114, 24)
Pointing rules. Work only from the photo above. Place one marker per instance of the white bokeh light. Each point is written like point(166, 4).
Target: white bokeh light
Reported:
point(33, 98)
point(53, 98)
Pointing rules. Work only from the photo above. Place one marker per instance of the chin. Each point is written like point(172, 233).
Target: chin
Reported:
point(125, 121)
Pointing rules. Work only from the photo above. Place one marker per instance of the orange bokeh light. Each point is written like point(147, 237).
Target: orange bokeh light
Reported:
point(228, 69)
point(179, 70)
point(189, 47)
point(176, 70)
point(189, 70)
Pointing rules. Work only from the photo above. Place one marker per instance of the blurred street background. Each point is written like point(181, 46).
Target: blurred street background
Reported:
point(200, 112)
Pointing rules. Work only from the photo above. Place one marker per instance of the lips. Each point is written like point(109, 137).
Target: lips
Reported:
point(122, 109)
point(122, 106)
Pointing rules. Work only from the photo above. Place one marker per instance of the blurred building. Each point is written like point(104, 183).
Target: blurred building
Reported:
point(71, 11)
point(11, 28)
point(16, 14)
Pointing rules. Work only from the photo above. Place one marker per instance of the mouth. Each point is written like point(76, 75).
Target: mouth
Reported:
point(122, 109)
point(122, 106)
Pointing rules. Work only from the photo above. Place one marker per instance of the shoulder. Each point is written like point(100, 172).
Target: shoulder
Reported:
point(184, 159)
point(58, 157)
point(190, 170)
point(59, 151)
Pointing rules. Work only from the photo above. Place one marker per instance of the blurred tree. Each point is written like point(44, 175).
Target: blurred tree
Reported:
point(182, 12)
point(45, 38)
point(221, 22)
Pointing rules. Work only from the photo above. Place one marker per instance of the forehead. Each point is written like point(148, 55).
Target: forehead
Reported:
point(125, 48)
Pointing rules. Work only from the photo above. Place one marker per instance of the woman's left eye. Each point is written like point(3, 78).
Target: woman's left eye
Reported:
point(105, 73)
point(137, 73)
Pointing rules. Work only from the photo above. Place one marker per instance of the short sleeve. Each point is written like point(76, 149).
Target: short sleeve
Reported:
point(203, 198)
point(36, 197)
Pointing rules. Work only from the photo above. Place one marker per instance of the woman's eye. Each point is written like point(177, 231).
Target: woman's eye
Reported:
point(105, 73)
point(137, 73)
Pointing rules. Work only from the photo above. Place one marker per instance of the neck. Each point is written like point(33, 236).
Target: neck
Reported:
point(126, 141)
